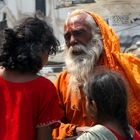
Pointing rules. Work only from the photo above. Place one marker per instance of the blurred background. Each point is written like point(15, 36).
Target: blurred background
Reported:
point(122, 15)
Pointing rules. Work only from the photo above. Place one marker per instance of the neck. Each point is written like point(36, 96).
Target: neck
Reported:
point(15, 76)
point(114, 125)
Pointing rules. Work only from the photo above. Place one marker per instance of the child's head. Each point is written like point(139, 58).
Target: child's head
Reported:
point(106, 96)
point(27, 45)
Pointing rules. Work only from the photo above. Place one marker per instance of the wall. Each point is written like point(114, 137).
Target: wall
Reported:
point(17, 9)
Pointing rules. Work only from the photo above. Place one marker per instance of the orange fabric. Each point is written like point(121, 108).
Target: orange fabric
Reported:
point(112, 58)
point(72, 116)
point(127, 64)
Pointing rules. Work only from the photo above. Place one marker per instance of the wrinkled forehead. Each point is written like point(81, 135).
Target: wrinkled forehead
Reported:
point(78, 20)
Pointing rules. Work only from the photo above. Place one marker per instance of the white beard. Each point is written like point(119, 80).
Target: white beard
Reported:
point(81, 66)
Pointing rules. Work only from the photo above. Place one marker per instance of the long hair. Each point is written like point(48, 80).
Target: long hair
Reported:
point(109, 92)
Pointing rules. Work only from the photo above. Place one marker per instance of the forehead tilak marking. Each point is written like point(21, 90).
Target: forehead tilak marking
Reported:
point(69, 20)
point(72, 18)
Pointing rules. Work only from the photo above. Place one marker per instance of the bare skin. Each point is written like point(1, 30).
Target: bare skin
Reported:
point(15, 76)
point(78, 32)
point(44, 133)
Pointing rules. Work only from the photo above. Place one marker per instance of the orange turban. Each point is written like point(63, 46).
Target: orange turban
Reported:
point(124, 63)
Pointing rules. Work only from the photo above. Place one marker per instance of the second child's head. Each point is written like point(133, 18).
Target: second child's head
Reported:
point(27, 46)
point(106, 97)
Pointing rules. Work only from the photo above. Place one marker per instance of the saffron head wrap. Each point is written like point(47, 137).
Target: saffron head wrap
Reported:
point(112, 58)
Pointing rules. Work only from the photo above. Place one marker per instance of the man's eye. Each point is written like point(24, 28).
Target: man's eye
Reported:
point(67, 36)
point(78, 32)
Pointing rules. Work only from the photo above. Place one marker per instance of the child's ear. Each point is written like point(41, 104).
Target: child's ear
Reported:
point(92, 109)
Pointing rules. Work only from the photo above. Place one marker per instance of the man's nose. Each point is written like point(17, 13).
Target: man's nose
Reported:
point(73, 40)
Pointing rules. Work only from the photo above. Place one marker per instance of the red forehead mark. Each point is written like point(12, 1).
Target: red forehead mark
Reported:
point(74, 21)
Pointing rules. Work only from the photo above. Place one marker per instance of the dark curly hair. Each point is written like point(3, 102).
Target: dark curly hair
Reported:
point(24, 44)
point(109, 92)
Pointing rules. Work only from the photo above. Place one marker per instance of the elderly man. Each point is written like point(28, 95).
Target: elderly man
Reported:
point(90, 43)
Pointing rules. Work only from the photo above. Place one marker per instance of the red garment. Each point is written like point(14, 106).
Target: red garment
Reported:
point(136, 135)
point(26, 106)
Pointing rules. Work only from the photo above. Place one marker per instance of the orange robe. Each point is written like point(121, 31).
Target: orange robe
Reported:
point(112, 58)
point(72, 116)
